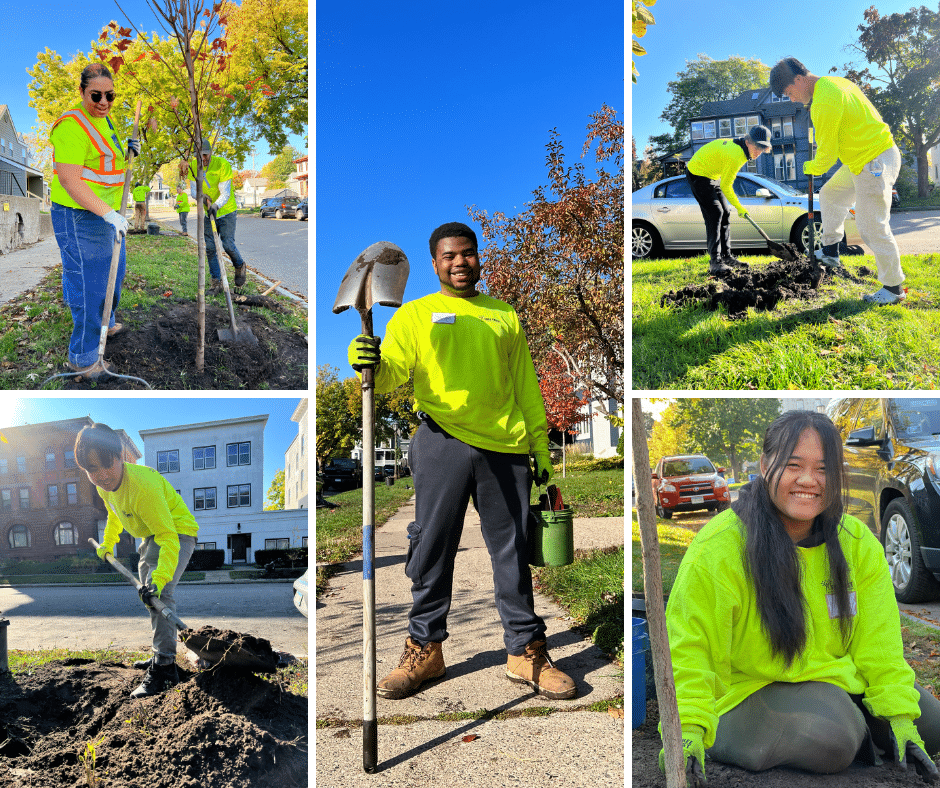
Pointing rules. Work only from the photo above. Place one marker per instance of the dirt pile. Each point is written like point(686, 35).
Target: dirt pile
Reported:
point(760, 288)
point(220, 728)
point(236, 649)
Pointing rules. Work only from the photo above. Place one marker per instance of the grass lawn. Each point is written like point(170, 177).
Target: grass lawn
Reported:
point(834, 342)
point(592, 488)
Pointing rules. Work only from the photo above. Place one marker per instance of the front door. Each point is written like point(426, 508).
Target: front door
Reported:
point(240, 544)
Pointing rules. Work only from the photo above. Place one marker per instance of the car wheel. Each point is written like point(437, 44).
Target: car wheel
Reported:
point(912, 581)
point(279, 214)
point(800, 233)
point(667, 513)
point(646, 242)
point(723, 505)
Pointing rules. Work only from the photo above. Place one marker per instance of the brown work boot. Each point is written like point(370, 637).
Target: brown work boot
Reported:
point(536, 669)
point(416, 666)
point(216, 286)
point(239, 275)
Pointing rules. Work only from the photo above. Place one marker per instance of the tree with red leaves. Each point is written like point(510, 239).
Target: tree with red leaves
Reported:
point(564, 407)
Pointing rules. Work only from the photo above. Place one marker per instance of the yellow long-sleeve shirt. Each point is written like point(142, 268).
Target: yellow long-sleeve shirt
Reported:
point(720, 160)
point(848, 127)
point(147, 505)
point(721, 654)
point(473, 373)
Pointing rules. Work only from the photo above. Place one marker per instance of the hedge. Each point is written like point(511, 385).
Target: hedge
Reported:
point(205, 559)
point(294, 556)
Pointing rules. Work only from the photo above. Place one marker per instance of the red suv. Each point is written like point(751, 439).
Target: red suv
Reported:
point(688, 482)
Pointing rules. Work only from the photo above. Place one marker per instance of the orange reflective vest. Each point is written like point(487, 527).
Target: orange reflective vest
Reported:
point(107, 173)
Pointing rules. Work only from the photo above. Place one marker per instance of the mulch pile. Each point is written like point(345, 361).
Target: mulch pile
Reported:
point(219, 728)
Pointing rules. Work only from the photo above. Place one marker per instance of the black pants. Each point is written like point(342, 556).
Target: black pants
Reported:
point(716, 211)
point(447, 473)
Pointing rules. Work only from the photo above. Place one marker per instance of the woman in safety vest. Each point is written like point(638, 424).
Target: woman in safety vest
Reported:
point(89, 163)
point(784, 628)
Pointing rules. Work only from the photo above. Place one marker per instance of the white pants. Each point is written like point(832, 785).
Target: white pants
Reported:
point(872, 197)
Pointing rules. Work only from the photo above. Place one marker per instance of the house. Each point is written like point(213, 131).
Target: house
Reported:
point(596, 434)
point(296, 476)
point(299, 178)
point(48, 506)
point(218, 469)
point(251, 193)
point(17, 178)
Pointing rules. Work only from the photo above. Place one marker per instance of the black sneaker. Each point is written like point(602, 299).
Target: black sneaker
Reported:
point(828, 256)
point(239, 275)
point(159, 679)
point(143, 664)
point(719, 268)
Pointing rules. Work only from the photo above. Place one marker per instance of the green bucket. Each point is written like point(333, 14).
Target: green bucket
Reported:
point(551, 537)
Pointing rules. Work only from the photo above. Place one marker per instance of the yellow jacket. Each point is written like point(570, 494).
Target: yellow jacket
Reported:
point(215, 178)
point(720, 160)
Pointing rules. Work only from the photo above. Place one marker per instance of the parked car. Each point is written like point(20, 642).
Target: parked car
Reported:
point(892, 462)
point(300, 212)
point(895, 199)
point(688, 482)
point(342, 473)
point(301, 593)
point(667, 217)
point(279, 207)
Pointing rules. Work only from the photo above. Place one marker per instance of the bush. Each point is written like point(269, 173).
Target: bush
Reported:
point(620, 443)
point(205, 560)
point(293, 557)
point(906, 184)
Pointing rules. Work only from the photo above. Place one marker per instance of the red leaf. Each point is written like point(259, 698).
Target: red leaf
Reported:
point(156, 57)
point(123, 44)
point(124, 31)
point(103, 36)
point(140, 57)
point(470, 738)
point(116, 63)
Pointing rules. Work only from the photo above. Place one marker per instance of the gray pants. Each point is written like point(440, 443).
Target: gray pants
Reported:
point(447, 474)
point(811, 725)
point(183, 215)
point(164, 633)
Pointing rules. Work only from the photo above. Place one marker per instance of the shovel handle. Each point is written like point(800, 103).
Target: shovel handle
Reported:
point(155, 602)
point(758, 228)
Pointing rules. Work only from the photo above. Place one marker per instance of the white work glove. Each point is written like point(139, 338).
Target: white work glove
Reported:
point(118, 222)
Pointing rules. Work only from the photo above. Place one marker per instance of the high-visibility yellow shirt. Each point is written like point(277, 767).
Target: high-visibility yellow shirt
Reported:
point(147, 505)
point(218, 171)
point(848, 127)
point(92, 143)
point(473, 373)
point(720, 160)
point(140, 193)
point(182, 203)
point(720, 651)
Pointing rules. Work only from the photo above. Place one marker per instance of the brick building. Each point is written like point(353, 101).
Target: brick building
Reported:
point(48, 507)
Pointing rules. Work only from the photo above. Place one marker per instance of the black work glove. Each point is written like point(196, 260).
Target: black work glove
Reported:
point(147, 594)
point(904, 737)
point(364, 352)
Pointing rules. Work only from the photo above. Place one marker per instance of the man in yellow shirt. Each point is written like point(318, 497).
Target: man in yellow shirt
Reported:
point(140, 207)
point(482, 415)
point(850, 129)
point(181, 206)
point(140, 501)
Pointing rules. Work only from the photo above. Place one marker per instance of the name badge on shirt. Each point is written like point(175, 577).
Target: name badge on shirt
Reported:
point(443, 317)
point(833, 605)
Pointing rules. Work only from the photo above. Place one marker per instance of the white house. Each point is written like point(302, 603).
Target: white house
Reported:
point(218, 468)
point(596, 434)
point(296, 476)
point(251, 192)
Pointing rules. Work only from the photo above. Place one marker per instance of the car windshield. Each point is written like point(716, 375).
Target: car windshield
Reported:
point(913, 417)
point(687, 466)
point(342, 462)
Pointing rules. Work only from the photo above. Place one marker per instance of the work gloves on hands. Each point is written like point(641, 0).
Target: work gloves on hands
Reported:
point(148, 592)
point(364, 353)
point(133, 146)
point(693, 750)
point(908, 747)
point(742, 213)
point(543, 468)
point(118, 222)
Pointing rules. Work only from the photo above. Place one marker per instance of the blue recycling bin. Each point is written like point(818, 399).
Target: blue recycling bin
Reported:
point(641, 644)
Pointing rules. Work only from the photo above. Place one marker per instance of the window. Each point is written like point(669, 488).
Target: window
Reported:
point(724, 127)
point(277, 544)
point(709, 129)
point(679, 189)
point(697, 131)
point(20, 537)
point(70, 459)
point(21, 464)
point(6, 499)
point(4, 465)
point(238, 454)
point(775, 98)
point(203, 458)
point(788, 126)
point(168, 461)
point(204, 498)
point(784, 166)
point(303, 541)
point(71, 491)
point(24, 498)
point(50, 461)
point(52, 495)
point(752, 120)
point(740, 127)
point(205, 546)
point(239, 495)
point(65, 533)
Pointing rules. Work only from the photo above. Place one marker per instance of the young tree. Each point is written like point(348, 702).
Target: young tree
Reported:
point(275, 499)
point(279, 169)
point(564, 407)
point(560, 263)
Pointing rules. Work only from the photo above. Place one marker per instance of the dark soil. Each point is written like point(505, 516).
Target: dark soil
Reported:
point(233, 649)
point(759, 288)
point(646, 773)
point(159, 346)
point(219, 728)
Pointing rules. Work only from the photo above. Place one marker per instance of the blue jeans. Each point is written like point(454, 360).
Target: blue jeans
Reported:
point(85, 244)
point(226, 226)
point(183, 215)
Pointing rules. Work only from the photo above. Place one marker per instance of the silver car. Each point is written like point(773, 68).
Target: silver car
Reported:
point(666, 216)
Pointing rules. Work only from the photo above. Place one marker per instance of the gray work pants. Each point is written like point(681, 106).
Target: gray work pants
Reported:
point(810, 725)
point(164, 633)
point(447, 474)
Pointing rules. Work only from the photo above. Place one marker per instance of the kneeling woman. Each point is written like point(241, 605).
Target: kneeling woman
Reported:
point(784, 630)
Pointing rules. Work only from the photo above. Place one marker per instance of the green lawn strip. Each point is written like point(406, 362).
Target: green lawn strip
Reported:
point(673, 542)
point(592, 489)
point(96, 579)
point(833, 342)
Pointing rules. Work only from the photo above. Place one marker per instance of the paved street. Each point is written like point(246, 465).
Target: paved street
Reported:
point(92, 617)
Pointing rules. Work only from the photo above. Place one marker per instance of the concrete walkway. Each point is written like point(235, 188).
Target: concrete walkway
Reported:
point(569, 747)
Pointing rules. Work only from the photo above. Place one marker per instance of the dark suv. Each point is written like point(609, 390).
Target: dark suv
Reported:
point(892, 463)
point(687, 482)
point(342, 472)
point(279, 207)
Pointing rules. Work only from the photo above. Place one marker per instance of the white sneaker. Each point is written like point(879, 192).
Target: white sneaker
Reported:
point(830, 260)
point(884, 297)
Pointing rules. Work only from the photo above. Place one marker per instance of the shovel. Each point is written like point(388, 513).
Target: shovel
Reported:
point(239, 331)
point(778, 250)
point(211, 650)
point(377, 276)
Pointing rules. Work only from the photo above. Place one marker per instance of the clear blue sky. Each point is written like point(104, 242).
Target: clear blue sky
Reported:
point(69, 28)
point(147, 413)
point(815, 33)
point(426, 108)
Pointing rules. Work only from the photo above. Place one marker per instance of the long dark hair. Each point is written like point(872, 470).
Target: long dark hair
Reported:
point(770, 557)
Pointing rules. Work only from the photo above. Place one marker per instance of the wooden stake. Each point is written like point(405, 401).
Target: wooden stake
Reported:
point(271, 287)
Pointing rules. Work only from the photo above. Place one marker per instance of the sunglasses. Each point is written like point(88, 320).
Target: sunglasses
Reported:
point(96, 96)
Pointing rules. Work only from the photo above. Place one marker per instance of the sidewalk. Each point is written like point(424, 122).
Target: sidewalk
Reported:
point(570, 747)
point(24, 267)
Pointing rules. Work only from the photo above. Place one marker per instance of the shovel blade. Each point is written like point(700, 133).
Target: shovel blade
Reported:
point(242, 335)
point(377, 276)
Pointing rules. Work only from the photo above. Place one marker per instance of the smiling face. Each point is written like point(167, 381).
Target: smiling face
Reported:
point(457, 267)
point(101, 86)
point(108, 479)
point(799, 492)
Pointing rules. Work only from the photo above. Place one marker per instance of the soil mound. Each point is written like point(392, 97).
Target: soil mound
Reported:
point(220, 728)
point(235, 649)
point(759, 288)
